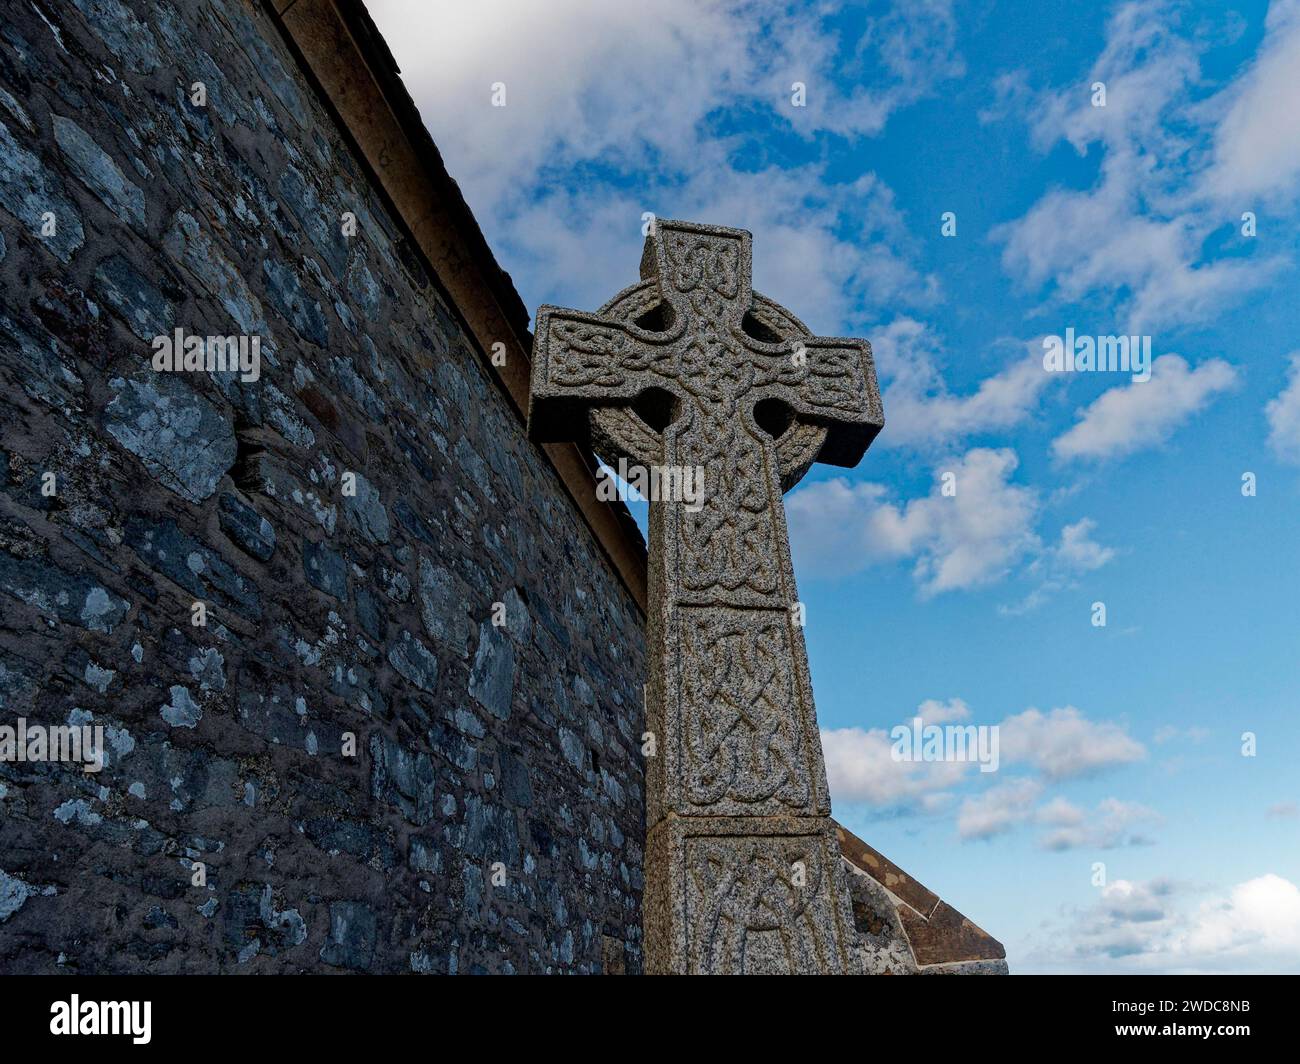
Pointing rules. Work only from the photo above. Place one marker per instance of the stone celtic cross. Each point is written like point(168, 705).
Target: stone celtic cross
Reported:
point(691, 368)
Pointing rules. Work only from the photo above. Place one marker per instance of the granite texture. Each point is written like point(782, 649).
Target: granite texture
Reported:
point(743, 872)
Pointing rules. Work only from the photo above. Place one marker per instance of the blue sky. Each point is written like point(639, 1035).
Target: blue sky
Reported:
point(1120, 744)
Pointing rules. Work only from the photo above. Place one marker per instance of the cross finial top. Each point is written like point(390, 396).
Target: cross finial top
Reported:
point(706, 266)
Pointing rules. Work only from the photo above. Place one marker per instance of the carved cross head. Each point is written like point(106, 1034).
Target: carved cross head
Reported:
point(692, 348)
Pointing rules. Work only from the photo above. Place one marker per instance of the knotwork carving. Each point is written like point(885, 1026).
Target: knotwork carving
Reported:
point(752, 915)
point(743, 723)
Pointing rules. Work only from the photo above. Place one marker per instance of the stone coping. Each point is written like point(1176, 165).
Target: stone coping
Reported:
point(937, 933)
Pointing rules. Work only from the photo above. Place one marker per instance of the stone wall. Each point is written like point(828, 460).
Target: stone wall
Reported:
point(328, 614)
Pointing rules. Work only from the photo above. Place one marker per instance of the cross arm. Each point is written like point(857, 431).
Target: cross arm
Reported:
point(582, 360)
point(830, 381)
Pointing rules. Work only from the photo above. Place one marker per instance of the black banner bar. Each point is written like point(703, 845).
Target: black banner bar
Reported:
point(1228, 1014)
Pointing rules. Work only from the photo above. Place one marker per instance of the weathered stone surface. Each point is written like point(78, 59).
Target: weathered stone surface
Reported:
point(29, 192)
point(905, 928)
point(208, 667)
point(253, 925)
point(492, 680)
point(882, 944)
point(414, 661)
point(125, 35)
point(97, 170)
point(885, 872)
point(180, 437)
point(144, 308)
point(316, 217)
point(737, 794)
point(181, 711)
point(366, 510)
point(72, 598)
point(325, 569)
point(945, 935)
point(180, 487)
point(442, 607)
point(403, 778)
point(289, 298)
point(741, 895)
point(252, 532)
point(13, 894)
point(967, 968)
point(351, 942)
point(204, 260)
point(192, 565)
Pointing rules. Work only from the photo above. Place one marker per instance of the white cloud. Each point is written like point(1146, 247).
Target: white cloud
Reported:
point(1064, 744)
point(998, 809)
point(907, 50)
point(1138, 234)
point(932, 711)
point(583, 80)
point(590, 80)
point(1059, 566)
point(923, 413)
point(595, 132)
point(1283, 414)
point(1078, 551)
point(1143, 413)
point(1254, 927)
point(1257, 143)
point(828, 252)
point(1261, 913)
point(1099, 240)
point(1057, 746)
point(1109, 826)
point(1061, 813)
point(957, 542)
point(861, 768)
point(1146, 67)
point(1012, 804)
